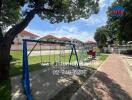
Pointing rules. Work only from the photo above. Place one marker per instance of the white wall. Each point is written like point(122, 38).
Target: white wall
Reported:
point(20, 37)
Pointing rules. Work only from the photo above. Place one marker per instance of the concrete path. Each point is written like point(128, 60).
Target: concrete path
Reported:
point(45, 83)
point(128, 59)
point(111, 82)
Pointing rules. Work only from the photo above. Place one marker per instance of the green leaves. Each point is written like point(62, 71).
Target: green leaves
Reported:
point(21, 2)
point(68, 10)
point(53, 10)
point(9, 13)
point(119, 26)
point(101, 36)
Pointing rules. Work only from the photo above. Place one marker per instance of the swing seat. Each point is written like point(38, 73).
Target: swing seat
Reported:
point(45, 64)
point(87, 60)
point(57, 63)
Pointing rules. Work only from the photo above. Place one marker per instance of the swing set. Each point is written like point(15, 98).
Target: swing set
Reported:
point(86, 54)
point(52, 51)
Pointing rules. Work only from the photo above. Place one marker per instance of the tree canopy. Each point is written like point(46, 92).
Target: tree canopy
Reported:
point(101, 36)
point(9, 13)
point(120, 27)
point(54, 10)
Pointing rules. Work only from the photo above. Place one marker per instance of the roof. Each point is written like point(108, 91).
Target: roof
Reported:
point(24, 32)
point(90, 42)
point(77, 40)
point(64, 39)
point(50, 37)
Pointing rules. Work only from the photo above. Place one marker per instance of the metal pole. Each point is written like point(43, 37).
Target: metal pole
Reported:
point(32, 48)
point(71, 54)
point(26, 82)
point(41, 55)
point(76, 55)
point(49, 56)
point(54, 55)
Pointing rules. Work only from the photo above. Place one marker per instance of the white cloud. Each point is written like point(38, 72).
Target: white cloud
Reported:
point(73, 32)
point(37, 32)
point(100, 18)
point(95, 20)
point(111, 1)
point(102, 4)
point(105, 3)
point(66, 31)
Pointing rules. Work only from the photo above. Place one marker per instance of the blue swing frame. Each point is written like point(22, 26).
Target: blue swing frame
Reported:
point(25, 67)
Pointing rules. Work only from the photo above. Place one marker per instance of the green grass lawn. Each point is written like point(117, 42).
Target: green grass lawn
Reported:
point(5, 90)
point(16, 69)
point(102, 57)
point(34, 61)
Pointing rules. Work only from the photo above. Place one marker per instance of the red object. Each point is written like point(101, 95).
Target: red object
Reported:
point(93, 53)
point(50, 37)
point(64, 39)
point(90, 52)
point(118, 11)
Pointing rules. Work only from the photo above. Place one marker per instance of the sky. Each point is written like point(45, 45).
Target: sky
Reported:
point(82, 29)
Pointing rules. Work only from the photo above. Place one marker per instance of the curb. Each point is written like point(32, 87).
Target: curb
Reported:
point(126, 65)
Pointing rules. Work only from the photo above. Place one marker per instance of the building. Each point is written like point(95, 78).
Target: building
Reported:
point(77, 42)
point(17, 43)
point(91, 43)
point(50, 38)
point(64, 39)
point(24, 35)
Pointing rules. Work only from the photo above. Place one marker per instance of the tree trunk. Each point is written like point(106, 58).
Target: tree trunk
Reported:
point(4, 61)
point(5, 45)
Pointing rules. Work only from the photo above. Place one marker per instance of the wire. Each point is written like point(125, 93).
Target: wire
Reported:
point(60, 55)
point(64, 56)
point(50, 56)
point(41, 54)
point(54, 55)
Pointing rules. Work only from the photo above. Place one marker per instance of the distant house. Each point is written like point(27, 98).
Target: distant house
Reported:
point(65, 39)
point(17, 43)
point(50, 38)
point(24, 35)
point(90, 43)
point(77, 42)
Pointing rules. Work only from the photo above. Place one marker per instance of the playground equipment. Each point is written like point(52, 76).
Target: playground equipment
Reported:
point(43, 63)
point(57, 61)
point(92, 53)
point(86, 54)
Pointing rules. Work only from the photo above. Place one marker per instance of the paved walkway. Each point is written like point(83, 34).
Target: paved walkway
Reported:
point(45, 83)
point(128, 59)
point(111, 82)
